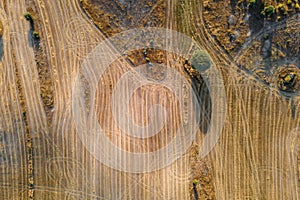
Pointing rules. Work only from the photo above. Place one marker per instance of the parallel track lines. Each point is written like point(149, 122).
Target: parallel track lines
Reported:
point(243, 160)
point(11, 124)
point(246, 148)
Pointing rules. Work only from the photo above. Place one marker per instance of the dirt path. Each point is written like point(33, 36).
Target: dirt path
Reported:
point(19, 61)
point(253, 159)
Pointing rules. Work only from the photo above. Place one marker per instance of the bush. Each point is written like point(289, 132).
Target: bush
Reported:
point(268, 10)
point(36, 35)
point(252, 2)
point(28, 17)
point(195, 182)
point(200, 60)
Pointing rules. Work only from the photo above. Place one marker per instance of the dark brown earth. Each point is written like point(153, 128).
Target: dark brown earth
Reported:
point(43, 66)
point(1, 29)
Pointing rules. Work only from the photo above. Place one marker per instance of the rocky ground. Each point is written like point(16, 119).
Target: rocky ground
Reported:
point(266, 29)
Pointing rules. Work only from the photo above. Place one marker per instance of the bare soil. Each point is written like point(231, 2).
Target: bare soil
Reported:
point(234, 22)
point(111, 18)
point(43, 66)
point(1, 29)
point(264, 46)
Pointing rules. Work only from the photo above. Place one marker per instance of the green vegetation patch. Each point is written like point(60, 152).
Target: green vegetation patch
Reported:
point(268, 10)
point(36, 35)
point(28, 17)
point(201, 60)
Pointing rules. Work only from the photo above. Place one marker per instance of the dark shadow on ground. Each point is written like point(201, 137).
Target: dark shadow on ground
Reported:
point(266, 53)
point(33, 42)
point(205, 105)
point(1, 48)
point(30, 39)
point(233, 5)
point(256, 21)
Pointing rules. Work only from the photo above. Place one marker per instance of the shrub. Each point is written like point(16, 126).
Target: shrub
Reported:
point(36, 35)
point(28, 17)
point(266, 36)
point(269, 10)
point(288, 79)
point(252, 2)
point(195, 182)
point(200, 60)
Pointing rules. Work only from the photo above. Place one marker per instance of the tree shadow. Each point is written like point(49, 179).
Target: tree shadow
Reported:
point(233, 4)
point(205, 105)
point(266, 52)
point(1, 48)
point(33, 42)
point(256, 22)
point(30, 39)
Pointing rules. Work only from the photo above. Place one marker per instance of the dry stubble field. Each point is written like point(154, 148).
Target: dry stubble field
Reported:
point(42, 153)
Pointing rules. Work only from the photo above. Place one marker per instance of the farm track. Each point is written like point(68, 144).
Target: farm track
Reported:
point(293, 20)
point(21, 63)
point(69, 145)
point(45, 162)
point(66, 50)
point(241, 170)
point(11, 121)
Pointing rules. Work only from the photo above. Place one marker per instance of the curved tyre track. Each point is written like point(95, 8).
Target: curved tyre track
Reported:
point(63, 169)
point(257, 126)
point(23, 65)
point(12, 130)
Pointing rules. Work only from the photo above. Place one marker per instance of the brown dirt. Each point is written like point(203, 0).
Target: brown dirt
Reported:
point(29, 147)
point(227, 22)
point(288, 78)
point(1, 29)
point(43, 66)
point(110, 17)
point(46, 87)
point(201, 173)
point(264, 63)
point(233, 22)
point(246, 99)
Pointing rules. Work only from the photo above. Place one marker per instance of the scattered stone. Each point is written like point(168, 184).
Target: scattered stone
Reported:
point(231, 20)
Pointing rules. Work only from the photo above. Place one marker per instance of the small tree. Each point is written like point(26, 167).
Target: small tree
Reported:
point(268, 10)
point(36, 35)
point(28, 17)
point(200, 60)
point(252, 2)
point(195, 182)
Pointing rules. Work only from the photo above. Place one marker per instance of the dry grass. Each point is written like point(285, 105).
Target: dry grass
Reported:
point(256, 156)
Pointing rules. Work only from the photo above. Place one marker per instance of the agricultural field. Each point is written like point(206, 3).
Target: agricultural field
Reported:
point(149, 99)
